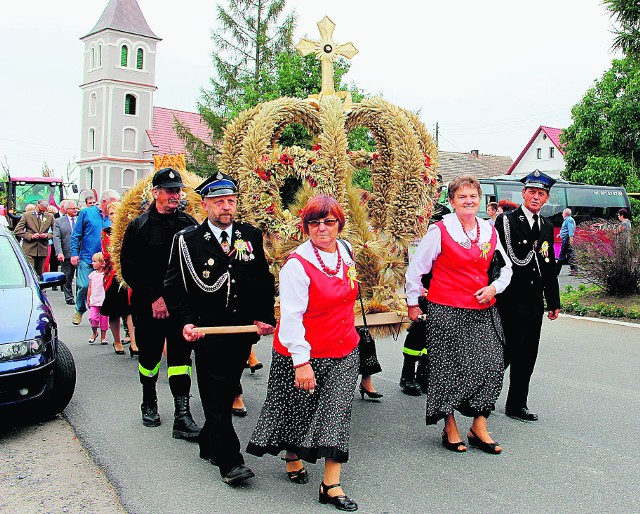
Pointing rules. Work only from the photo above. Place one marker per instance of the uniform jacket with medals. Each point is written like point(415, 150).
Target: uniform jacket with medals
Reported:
point(531, 279)
point(206, 287)
point(29, 225)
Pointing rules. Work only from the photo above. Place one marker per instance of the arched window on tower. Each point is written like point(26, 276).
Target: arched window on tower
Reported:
point(91, 141)
point(93, 99)
point(99, 55)
point(128, 179)
point(129, 140)
point(140, 59)
point(92, 58)
point(130, 104)
point(124, 56)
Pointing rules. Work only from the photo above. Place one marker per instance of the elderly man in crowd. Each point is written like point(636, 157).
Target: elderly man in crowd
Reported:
point(34, 228)
point(62, 230)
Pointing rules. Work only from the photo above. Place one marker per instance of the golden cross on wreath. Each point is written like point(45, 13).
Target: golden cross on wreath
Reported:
point(326, 50)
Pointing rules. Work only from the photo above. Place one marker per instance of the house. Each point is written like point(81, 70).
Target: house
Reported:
point(543, 152)
point(121, 128)
point(473, 163)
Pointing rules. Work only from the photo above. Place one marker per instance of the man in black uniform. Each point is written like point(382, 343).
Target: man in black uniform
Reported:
point(527, 238)
point(144, 257)
point(218, 276)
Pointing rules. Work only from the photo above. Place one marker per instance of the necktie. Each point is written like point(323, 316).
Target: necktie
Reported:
point(73, 223)
point(535, 230)
point(224, 241)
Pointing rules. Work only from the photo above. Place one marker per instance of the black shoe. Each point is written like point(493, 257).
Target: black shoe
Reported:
point(237, 475)
point(70, 302)
point(410, 387)
point(118, 352)
point(341, 502)
point(133, 352)
point(150, 416)
point(523, 414)
point(371, 395)
point(256, 367)
point(300, 476)
point(183, 425)
point(241, 412)
point(454, 447)
point(474, 440)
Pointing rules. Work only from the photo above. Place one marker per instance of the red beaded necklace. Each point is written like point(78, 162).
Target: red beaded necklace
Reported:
point(477, 238)
point(325, 268)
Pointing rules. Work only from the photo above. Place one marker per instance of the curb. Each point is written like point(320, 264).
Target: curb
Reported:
point(600, 320)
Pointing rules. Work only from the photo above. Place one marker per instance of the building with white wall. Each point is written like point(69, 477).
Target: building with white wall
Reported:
point(543, 152)
point(121, 129)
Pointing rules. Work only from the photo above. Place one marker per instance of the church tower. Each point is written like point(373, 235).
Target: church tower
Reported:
point(117, 99)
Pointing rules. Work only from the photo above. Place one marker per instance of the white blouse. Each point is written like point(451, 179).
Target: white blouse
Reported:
point(430, 247)
point(294, 297)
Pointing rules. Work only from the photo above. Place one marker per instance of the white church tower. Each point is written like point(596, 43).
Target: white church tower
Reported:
point(117, 99)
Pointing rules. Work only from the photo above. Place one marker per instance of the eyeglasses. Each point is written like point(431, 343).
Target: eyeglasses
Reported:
point(329, 222)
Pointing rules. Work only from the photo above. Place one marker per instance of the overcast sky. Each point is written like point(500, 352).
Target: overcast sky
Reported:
point(488, 72)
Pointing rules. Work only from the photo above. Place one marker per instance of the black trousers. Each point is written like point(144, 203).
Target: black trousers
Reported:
point(522, 337)
point(69, 271)
point(220, 361)
point(150, 337)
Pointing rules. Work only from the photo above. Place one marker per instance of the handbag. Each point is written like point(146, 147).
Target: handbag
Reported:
point(495, 266)
point(369, 363)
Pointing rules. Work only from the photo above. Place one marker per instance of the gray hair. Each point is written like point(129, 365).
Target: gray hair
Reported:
point(109, 194)
point(567, 211)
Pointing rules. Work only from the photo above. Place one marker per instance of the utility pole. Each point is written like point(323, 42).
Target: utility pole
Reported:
point(436, 133)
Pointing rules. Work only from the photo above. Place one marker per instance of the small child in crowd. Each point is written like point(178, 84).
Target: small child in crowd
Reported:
point(95, 297)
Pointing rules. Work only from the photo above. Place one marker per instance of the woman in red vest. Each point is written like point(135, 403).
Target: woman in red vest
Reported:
point(464, 332)
point(315, 361)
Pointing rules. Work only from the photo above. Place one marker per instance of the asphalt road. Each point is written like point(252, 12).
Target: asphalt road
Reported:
point(582, 456)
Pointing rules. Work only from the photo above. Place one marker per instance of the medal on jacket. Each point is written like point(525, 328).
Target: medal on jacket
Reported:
point(544, 250)
point(485, 248)
point(352, 273)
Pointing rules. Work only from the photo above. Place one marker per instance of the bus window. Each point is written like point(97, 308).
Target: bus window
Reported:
point(594, 203)
point(555, 205)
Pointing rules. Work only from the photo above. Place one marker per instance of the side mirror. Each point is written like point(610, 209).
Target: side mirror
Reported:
point(74, 188)
point(52, 279)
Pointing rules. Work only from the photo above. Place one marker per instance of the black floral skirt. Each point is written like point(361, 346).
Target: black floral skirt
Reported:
point(311, 425)
point(466, 361)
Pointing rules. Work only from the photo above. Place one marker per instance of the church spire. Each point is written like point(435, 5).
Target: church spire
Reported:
point(123, 16)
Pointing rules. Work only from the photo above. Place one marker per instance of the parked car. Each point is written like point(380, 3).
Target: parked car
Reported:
point(37, 370)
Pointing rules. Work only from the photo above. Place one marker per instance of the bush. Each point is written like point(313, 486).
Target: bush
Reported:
point(606, 259)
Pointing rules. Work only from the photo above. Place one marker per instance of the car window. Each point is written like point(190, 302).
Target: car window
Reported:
point(11, 273)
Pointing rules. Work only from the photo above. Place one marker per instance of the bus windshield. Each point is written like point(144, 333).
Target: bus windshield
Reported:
point(31, 193)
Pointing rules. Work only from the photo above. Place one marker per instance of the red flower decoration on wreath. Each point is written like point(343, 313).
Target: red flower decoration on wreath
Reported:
point(375, 157)
point(316, 148)
point(312, 181)
point(270, 209)
point(286, 160)
point(427, 160)
point(263, 174)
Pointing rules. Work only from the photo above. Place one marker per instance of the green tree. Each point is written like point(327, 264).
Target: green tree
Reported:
point(602, 145)
point(626, 15)
point(251, 36)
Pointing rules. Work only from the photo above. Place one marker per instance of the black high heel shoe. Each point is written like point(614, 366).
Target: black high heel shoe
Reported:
point(256, 367)
point(371, 395)
point(454, 447)
point(133, 352)
point(300, 476)
point(474, 440)
point(118, 352)
point(340, 502)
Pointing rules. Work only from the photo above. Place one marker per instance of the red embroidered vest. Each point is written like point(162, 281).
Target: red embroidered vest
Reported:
point(458, 273)
point(329, 319)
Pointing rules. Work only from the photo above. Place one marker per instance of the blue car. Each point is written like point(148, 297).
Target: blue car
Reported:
point(37, 370)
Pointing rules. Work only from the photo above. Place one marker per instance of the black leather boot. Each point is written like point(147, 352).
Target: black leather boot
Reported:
point(150, 416)
point(183, 425)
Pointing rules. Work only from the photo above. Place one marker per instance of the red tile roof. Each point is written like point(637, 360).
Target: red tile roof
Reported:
point(163, 136)
point(552, 133)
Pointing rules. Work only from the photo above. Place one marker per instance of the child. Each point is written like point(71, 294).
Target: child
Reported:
point(95, 297)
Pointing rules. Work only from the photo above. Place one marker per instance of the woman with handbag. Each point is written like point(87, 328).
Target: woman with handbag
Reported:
point(315, 360)
point(465, 350)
